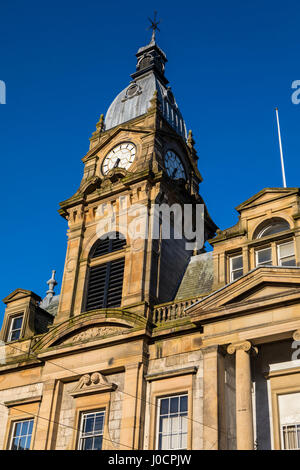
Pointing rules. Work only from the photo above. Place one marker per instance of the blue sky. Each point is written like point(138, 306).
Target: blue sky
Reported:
point(230, 64)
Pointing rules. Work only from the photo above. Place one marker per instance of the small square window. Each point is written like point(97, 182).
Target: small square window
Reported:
point(264, 257)
point(21, 435)
point(236, 267)
point(15, 328)
point(286, 254)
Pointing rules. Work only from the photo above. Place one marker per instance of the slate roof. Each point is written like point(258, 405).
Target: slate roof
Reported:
point(198, 277)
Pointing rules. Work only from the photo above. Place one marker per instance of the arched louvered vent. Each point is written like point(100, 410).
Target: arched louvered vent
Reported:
point(108, 244)
point(105, 281)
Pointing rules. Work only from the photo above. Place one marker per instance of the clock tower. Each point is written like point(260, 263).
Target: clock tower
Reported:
point(140, 156)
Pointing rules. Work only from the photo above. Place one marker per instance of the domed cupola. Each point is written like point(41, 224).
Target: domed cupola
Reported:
point(149, 77)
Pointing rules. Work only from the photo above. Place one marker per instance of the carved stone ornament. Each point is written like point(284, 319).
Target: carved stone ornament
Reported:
point(92, 383)
point(94, 332)
point(296, 335)
point(243, 345)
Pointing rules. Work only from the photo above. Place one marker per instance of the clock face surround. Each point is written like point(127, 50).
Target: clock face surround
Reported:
point(121, 156)
point(174, 166)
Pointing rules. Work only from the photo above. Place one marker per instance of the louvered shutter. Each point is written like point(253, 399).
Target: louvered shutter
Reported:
point(105, 285)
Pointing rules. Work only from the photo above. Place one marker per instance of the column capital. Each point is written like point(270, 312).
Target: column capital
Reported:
point(241, 346)
point(296, 335)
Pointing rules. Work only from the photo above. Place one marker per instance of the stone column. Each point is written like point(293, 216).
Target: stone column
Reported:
point(244, 417)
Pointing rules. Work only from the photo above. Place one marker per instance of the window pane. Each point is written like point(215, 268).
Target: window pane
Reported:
point(174, 405)
point(237, 262)
point(164, 406)
point(164, 421)
point(17, 323)
point(286, 249)
point(91, 435)
point(183, 403)
point(264, 256)
point(99, 423)
point(236, 274)
point(172, 422)
point(87, 443)
point(22, 432)
point(288, 261)
point(98, 443)
point(88, 424)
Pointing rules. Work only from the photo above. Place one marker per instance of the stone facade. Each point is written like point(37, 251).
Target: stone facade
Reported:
point(215, 332)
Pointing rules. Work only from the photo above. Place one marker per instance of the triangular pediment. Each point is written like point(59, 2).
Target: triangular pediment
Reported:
point(18, 294)
point(259, 284)
point(266, 195)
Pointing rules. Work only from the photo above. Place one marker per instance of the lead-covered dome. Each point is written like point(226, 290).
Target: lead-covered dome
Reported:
point(134, 100)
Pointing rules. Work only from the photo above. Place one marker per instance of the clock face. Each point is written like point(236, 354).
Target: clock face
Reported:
point(174, 166)
point(121, 156)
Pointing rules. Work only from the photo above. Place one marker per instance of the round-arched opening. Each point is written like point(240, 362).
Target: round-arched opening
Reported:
point(271, 227)
point(108, 243)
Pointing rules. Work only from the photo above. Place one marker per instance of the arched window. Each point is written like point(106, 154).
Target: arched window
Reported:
point(271, 227)
point(105, 281)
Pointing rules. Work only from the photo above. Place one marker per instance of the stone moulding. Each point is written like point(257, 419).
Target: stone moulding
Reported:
point(171, 373)
point(101, 323)
point(92, 383)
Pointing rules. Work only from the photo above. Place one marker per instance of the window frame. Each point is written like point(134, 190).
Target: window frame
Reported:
point(231, 270)
point(278, 252)
point(258, 250)
point(10, 330)
point(158, 416)
point(80, 438)
point(297, 437)
point(13, 425)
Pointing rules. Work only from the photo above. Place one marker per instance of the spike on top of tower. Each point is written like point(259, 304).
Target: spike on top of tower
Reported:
point(135, 99)
point(154, 26)
point(50, 292)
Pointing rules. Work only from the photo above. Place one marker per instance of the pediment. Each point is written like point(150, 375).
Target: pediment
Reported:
point(266, 195)
point(92, 383)
point(18, 294)
point(96, 325)
point(259, 284)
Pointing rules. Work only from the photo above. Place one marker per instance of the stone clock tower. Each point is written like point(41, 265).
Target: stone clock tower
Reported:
point(140, 153)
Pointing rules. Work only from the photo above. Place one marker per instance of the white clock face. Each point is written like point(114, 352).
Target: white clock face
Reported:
point(121, 156)
point(174, 166)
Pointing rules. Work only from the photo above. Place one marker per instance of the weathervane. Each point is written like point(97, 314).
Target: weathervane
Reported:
point(154, 26)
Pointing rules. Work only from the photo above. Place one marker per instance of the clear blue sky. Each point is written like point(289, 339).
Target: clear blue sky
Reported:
point(230, 63)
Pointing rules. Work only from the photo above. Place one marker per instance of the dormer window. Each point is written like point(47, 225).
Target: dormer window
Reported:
point(15, 328)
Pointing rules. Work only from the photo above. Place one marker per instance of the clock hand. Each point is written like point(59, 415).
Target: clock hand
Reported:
point(117, 163)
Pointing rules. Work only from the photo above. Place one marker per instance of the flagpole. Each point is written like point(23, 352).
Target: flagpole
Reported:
point(280, 148)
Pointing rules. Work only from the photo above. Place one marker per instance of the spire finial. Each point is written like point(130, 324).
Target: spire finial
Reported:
point(51, 283)
point(154, 26)
point(50, 292)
